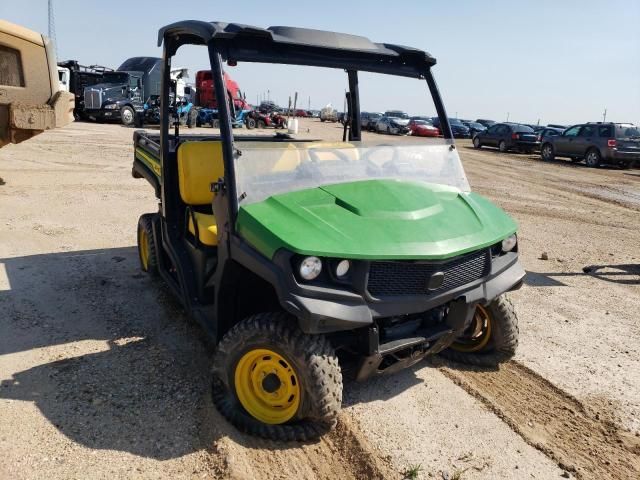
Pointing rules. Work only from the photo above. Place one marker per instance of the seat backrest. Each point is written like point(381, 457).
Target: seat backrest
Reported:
point(199, 165)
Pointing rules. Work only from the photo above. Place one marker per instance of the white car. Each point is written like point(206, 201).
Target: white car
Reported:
point(328, 114)
point(392, 125)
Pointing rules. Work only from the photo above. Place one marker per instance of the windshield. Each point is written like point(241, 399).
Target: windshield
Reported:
point(421, 122)
point(396, 114)
point(476, 125)
point(116, 77)
point(264, 169)
point(627, 131)
point(455, 121)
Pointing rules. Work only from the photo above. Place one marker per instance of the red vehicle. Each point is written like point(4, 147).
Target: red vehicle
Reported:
point(422, 128)
point(206, 96)
point(259, 119)
point(301, 113)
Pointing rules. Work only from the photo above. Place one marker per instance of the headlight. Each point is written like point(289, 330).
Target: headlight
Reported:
point(111, 106)
point(509, 243)
point(342, 268)
point(310, 268)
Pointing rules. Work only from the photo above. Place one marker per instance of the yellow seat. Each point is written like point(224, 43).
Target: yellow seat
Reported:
point(207, 228)
point(199, 165)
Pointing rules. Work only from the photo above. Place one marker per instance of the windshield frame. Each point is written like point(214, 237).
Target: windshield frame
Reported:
point(414, 63)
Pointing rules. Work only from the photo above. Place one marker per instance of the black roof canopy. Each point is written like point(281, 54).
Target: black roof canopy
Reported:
point(298, 46)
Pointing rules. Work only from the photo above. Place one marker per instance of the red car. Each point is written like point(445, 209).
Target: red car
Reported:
point(422, 128)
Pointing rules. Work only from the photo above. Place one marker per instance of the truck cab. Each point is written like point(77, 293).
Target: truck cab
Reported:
point(31, 100)
point(122, 93)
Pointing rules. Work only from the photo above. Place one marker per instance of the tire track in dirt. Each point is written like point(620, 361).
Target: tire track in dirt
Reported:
point(343, 453)
point(553, 421)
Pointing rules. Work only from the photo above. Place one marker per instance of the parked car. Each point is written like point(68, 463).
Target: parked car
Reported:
point(458, 129)
point(396, 114)
point(369, 119)
point(597, 143)
point(422, 117)
point(554, 125)
point(422, 128)
point(392, 125)
point(328, 114)
point(485, 122)
point(474, 127)
point(546, 132)
point(508, 136)
point(301, 113)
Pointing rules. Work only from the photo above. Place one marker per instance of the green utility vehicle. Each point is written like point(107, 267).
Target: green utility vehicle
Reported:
point(301, 257)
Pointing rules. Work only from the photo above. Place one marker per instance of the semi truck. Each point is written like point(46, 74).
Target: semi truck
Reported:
point(206, 95)
point(30, 97)
point(123, 92)
point(75, 78)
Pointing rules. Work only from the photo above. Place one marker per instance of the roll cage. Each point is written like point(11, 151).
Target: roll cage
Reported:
point(233, 42)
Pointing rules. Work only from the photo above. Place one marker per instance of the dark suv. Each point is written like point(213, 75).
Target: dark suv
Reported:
point(596, 144)
point(508, 136)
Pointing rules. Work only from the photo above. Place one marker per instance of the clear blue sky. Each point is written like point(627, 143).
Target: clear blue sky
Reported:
point(558, 61)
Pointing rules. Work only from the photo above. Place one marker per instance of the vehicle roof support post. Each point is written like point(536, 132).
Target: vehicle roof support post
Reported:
point(355, 130)
point(445, 128)
point(226, 133)
point(164, 130)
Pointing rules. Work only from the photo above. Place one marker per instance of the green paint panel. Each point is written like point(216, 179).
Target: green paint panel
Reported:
point(375, 219)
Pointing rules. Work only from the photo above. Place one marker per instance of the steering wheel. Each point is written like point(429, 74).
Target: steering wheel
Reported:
point(380, 168)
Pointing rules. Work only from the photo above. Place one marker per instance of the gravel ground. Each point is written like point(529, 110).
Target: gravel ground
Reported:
point(102, 376)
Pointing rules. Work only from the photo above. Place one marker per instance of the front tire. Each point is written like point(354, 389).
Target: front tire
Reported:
point(476, 143)
point(127, 116)
point(502, 146)
point(250, 123)
point(547, 153)
point(261, 124)
point(272, 380)
point(490, 339)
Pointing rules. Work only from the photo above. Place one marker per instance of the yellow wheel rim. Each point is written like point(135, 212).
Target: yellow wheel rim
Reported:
point(143, 242)
point(267, 386)
point(477, 335)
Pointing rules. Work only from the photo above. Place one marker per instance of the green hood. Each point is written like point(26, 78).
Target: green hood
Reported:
point(375, 219)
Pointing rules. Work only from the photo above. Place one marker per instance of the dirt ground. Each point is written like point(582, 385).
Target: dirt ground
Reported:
point(103, 376)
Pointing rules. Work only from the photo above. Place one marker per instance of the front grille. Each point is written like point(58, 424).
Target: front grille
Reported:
point(411, 278)
point(92, 99)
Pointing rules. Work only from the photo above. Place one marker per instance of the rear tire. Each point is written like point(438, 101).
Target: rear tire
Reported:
point(593, 159)
point(497, 341)
point(215, 123)
point(502, 146)
point(299, 397)
point(476, 143)
point(261, 124)
point(147, 252)
point(250, 123)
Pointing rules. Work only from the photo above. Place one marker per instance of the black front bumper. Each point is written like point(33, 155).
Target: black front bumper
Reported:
point(103, 114)
point(325, 309)
point(329, 309)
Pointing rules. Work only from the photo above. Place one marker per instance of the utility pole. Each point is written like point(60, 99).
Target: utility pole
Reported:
point(604, 115)
point(507, 116)
point(52, 28)
point(309, 104)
